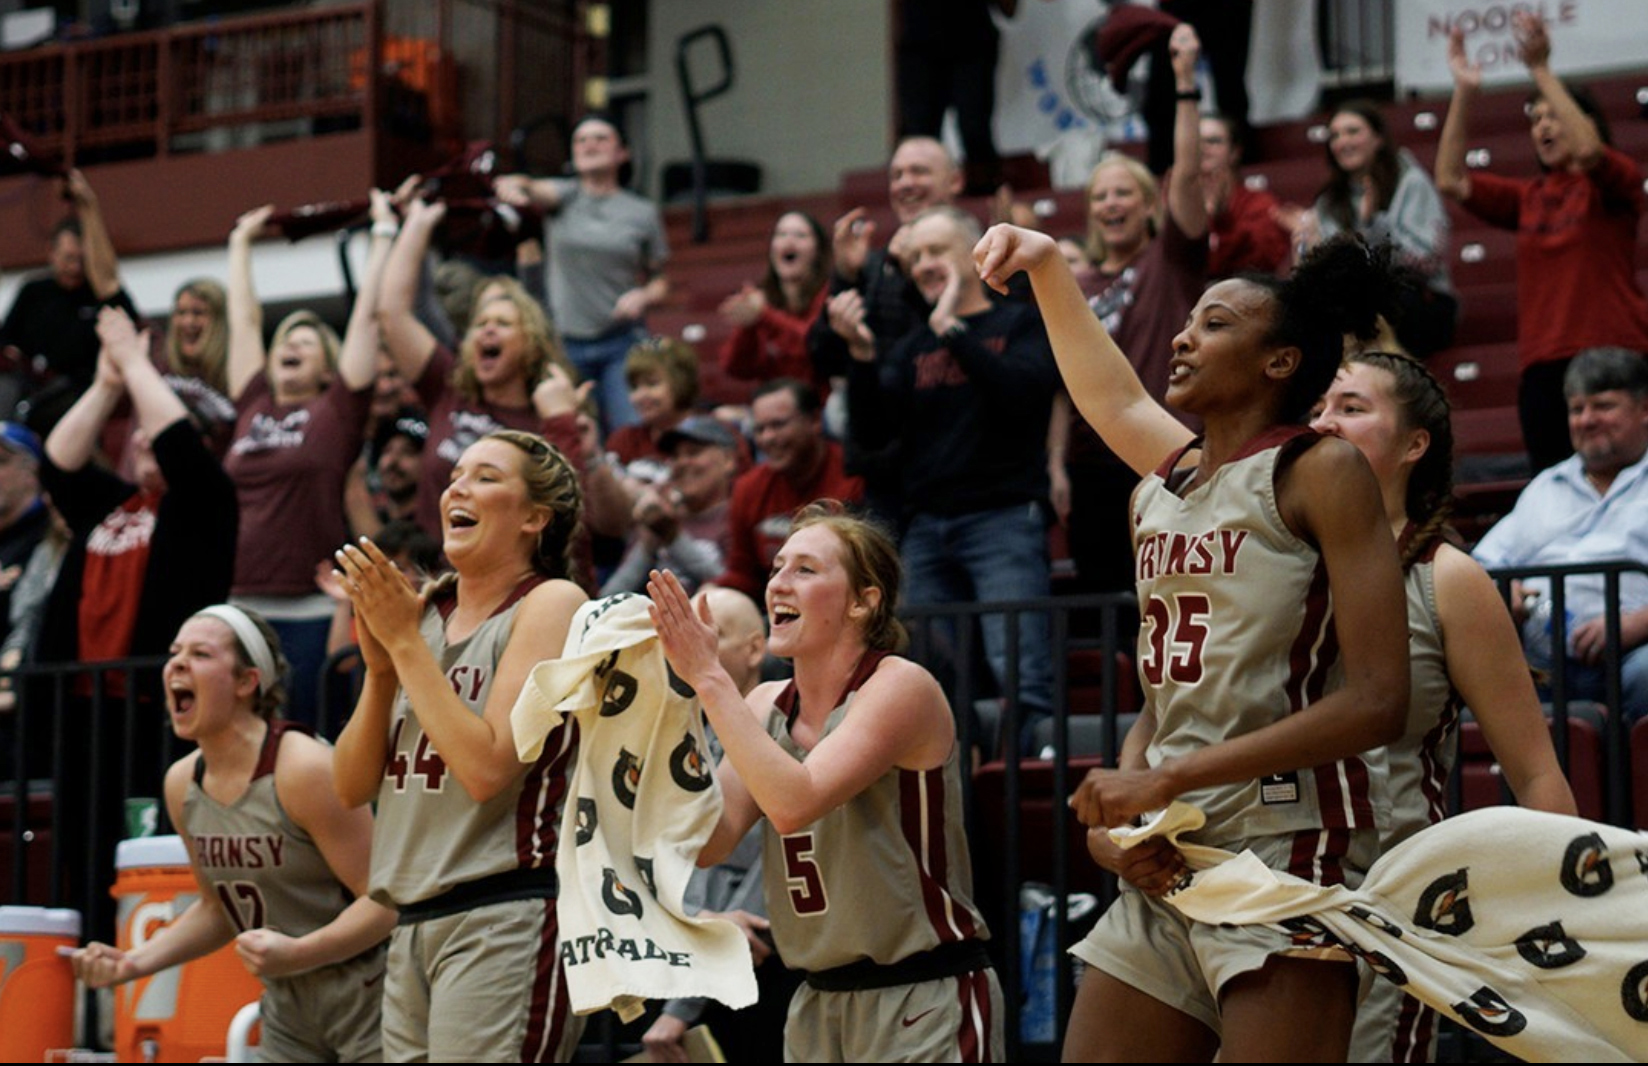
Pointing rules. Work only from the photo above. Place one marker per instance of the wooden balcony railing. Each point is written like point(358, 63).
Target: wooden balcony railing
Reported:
point(145, 94)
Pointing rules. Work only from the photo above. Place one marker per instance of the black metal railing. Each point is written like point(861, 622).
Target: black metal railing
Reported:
point(84, 738)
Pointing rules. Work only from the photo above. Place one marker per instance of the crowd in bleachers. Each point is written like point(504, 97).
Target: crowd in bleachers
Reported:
point(147, 474)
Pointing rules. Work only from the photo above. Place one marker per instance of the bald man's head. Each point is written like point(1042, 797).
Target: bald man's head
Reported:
point(743, 635)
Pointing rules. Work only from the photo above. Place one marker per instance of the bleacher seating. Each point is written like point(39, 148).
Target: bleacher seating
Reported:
point(1480, 371)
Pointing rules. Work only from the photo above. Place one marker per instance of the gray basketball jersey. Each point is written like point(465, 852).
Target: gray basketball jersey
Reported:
point(1236, 632)
point(430, 836)
point(883, 876)
point(265, 870)
point(1422, 759)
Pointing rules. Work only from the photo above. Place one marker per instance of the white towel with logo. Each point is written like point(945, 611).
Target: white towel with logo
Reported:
point(1528, 928)
point(641, 803)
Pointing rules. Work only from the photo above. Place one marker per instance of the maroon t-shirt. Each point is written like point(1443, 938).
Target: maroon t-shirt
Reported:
point(1144, 307)
point(289, 464)
point(1576, 246)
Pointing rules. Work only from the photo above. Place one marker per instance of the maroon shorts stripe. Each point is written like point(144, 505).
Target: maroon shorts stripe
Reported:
point(1415, 1024)
point(549, 1006)
point(973, 1036)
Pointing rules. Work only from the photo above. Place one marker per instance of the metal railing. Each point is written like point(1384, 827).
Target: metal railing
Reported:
point(1616, 768)
point(145, 92)
point(69, 731)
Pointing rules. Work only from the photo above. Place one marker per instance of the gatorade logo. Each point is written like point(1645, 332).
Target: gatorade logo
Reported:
point(687, 766)
point(619, 898)
point(1633, 992)
point(1445, 905)
point(587, 820)
point(677, 685)
point(626, 777)
point(620, 692)
point(1378, 921)
point(1586, 870)
point(1548, 947)
point(1488, 1013)
point(643, 866)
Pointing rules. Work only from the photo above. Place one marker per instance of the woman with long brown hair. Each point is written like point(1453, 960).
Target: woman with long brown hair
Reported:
point(464, 845)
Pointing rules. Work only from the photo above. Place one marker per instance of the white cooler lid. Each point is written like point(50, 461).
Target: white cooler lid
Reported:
point(40, 921)
point(141, 852)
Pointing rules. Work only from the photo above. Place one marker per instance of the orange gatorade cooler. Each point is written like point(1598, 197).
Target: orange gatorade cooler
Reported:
point(36, 982)
point(181, 1014)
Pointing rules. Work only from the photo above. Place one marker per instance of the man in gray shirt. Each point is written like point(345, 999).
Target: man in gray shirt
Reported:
point(606, 258)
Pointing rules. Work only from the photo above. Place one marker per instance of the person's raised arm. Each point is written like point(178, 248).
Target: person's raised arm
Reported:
point(1329, 497)
point(101, 263)
point(202, 928)
point(521, 190)
point(303, 780)
point(409, 341)
point(1483, 653)
point(479, 750)
point(1452, 178)
point(358, 355)
point(1098, 377)
point(899, 718)
point(245, 314)
point(1534, 47)
point(157, 406)
point(73, 440)
point(1185, 199)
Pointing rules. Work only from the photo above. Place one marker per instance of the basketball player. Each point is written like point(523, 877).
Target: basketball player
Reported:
point(1259, 550)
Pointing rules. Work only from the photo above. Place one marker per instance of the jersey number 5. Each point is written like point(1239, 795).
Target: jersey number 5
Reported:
point(1176, 631)
point(425, 761)
point(801, 873)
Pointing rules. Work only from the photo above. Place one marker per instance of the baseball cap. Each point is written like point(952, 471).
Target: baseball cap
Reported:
point(409, 422)
point(701, 428)
point(20, 439)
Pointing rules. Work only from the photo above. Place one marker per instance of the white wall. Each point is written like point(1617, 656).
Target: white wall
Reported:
point(813, 94)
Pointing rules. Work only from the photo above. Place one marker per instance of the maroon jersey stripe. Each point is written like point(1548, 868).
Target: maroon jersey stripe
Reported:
point(1415, 1024)
point(538, 808)
point(1433, 767)
point(921, 813)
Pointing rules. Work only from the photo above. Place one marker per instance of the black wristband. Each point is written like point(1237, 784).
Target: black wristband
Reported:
point(1193, 95)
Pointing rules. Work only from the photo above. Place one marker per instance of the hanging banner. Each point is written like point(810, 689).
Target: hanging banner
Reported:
point(1049, 88)
point(1587, 37)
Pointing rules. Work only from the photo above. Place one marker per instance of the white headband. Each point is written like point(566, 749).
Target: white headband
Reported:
point(251, 638)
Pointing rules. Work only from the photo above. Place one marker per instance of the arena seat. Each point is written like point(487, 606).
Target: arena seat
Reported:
point(1482, 779)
